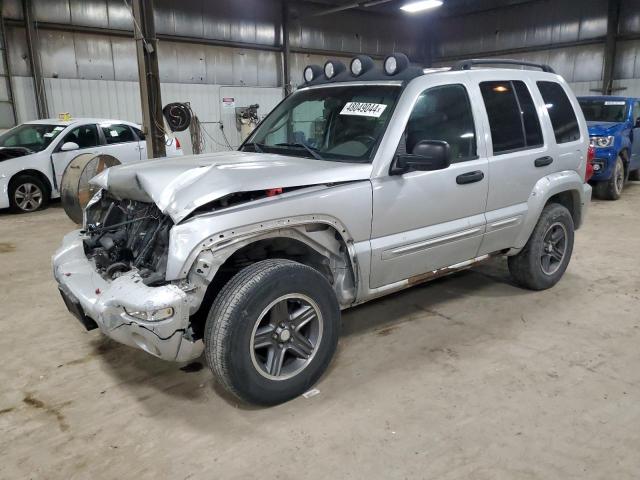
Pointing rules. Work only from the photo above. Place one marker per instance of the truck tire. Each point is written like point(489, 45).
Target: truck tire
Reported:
point(612, 189)
point(27, 193)
point(272, 331)
point(545, 257)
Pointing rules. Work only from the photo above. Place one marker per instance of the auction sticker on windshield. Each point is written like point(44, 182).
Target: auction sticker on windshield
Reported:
point(614, 102)
point(363, 109)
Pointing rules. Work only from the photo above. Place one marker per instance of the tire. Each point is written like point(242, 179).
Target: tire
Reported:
point(528, 268)
point(612, 189)
point(233, 331)
point(27, 193)
point(634, 175)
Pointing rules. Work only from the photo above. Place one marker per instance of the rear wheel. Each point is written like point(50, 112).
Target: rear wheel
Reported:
point(545, 257)
point(612, 189)
point(272, 331)
point(27, 193)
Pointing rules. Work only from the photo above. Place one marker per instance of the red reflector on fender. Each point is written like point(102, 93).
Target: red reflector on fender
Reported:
point(272, 192)
point(591, 155)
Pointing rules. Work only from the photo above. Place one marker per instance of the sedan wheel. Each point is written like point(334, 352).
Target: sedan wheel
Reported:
point(28, 197)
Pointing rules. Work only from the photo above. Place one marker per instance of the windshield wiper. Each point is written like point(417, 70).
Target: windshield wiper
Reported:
point(256, 146)
point(311, 151)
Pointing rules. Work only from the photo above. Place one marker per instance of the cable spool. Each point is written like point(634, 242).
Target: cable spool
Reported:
point(178, 116)
point(75, 190)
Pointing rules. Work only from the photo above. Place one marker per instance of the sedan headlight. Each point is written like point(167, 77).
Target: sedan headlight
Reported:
point(601, 142)
point(153, 315)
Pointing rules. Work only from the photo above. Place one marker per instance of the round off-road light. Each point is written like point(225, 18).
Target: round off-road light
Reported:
point(311, 73)
point(395, 63)
point(333, 68)
point(360, 65)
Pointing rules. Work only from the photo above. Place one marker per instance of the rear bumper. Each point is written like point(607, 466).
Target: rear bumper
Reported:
point(107, 302)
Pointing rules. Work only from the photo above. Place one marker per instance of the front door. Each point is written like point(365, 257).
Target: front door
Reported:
point(423, 221)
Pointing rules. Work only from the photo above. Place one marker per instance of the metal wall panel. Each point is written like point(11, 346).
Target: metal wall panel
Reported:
point(18, 52)
point(630, 17)
point(55, 11)
point(24, 98)
point(90, 13)
point(125, 63)
point(539, 23)
point(57, 54)
point(94, 57)
point(191, 63)
point(119, 15)
point(627, 64)
point(12, 9)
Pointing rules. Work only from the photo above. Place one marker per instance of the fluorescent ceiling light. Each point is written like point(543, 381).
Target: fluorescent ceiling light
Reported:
point(415, 7)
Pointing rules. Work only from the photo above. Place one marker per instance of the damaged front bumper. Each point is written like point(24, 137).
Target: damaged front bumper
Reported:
point(87, 294)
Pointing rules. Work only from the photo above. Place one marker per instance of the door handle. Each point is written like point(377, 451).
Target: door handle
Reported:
point(543, 161)
point(469, 177)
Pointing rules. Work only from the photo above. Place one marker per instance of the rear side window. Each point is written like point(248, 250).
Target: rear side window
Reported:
point(117, 134)
point(563, 118)
point(512, 116)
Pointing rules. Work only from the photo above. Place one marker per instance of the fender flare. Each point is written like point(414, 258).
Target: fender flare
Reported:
point(543, 190)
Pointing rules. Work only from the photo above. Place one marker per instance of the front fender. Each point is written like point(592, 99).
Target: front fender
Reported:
point(546, 188)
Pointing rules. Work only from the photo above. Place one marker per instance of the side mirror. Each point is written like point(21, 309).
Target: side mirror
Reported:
point(427, 155)
point(69, 146)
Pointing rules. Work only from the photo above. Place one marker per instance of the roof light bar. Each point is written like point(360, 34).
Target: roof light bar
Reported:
point(333, 68)
point(311, 73)
point(361, 64)
point(395, 63)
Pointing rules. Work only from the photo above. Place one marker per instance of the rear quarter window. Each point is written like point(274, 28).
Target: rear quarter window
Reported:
point(563, 118)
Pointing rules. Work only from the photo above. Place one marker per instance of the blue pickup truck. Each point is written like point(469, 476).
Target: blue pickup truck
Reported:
point(614, 128)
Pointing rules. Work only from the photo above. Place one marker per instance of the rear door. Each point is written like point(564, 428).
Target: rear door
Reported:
point(519, 153)
point(120, 142)
point(85, 136)
point(423, 221)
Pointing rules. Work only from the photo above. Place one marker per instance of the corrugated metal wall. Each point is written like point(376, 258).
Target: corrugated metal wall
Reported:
point(236, 44)
point(539, 26)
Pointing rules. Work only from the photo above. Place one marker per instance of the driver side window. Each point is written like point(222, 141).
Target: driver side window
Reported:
point(444, 113)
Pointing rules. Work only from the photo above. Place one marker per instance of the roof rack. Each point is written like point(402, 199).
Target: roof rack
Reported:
point(467, 64)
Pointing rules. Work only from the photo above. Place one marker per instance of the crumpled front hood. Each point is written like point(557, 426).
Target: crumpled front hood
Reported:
point(601, 129)
point(180, 185)
point(8, 153)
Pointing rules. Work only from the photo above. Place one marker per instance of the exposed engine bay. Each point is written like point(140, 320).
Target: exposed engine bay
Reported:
point(122, 235)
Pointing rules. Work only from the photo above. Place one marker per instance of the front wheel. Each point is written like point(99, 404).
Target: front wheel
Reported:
point(612, 189)
point(28, 193)
point(545, 257)
point(272, 331)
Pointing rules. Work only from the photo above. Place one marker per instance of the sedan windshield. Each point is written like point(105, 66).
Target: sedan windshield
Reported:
point(342, 123)
point(33, 137)
point(603, 110)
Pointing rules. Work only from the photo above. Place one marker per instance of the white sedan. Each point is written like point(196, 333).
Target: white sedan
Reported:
point(33, 155)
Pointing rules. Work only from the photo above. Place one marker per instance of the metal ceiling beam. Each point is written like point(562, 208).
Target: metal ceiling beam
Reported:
point(350, 6)
point(613, 20)
point(149, 77)
point(33, 48)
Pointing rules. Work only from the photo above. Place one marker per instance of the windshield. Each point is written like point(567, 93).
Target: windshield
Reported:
point(34, 137)
point(342, 123)
point(603, 110)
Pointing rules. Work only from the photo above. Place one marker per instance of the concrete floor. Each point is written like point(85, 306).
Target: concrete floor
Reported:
point(466, 377)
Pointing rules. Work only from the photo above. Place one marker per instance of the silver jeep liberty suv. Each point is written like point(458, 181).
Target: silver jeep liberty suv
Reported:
point(363, 182)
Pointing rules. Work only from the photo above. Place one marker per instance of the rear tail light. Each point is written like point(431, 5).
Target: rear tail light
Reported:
point(591, 155)
point(178, 143)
